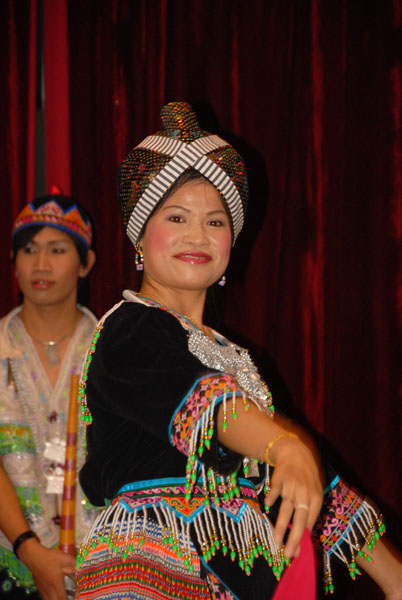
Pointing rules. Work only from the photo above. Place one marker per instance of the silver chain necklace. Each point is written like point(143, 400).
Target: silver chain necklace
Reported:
point(51, 349)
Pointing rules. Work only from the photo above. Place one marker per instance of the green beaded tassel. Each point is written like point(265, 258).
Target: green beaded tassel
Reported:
point(86, 417)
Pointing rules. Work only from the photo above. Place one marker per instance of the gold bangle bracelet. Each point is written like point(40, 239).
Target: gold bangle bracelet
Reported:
point(269, 446)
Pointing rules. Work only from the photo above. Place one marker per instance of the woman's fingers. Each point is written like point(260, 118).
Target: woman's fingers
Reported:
point(315, 508)
point(295, 516)
point(301, 499)
point(283, 520)
point(299, 523)
point(296, 481)
point(272, 496)
point(287, 514)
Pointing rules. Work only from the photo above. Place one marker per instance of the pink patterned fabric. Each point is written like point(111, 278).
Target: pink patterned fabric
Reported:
point(342, 509)
point(299, 580)
point(198, 401)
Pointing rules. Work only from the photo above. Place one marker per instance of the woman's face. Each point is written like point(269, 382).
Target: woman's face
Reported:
point(187, 242)
point(48, 268)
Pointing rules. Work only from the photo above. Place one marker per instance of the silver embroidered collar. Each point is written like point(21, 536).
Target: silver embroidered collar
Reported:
point(221, 355)
point(231, 359)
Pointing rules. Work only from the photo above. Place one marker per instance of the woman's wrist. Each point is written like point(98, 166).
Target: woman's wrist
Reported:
point(21, 540)
point(28, 550)
point(270, 452)
point(274, 448)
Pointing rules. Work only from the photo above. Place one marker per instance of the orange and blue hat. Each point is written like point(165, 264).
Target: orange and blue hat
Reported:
point(58, 211)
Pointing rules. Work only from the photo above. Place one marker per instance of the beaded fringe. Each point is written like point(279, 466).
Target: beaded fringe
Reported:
point(217, 486)
point(369, 527)
point(243, 538)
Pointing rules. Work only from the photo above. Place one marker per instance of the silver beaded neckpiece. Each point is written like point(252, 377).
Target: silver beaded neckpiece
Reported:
point(233, 360)
point(220, 354)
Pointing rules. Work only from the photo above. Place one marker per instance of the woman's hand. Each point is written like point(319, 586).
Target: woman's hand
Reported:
point(48, 566)
point(296, 479)
point(297, 474)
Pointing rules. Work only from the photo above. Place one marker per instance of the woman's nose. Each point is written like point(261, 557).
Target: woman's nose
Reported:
point(196, 233)
point(42, 261)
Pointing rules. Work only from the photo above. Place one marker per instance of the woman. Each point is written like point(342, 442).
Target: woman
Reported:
point(42, 343)
point(181, 423)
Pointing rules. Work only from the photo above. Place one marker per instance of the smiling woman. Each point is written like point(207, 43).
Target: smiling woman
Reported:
point(186, 244)
point(185, 449)
point(42, 343)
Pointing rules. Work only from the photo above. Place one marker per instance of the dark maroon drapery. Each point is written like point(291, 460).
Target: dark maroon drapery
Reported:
point(17, 124)
point(310, 92)
point(57, 97)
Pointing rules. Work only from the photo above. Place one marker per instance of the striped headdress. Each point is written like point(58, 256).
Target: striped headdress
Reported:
point(152, 167)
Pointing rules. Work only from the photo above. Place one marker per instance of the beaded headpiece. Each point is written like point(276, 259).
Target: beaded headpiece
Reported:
point(153, 166)
point(56, 210)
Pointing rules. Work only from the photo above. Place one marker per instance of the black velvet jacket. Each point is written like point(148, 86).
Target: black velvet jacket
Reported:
point(140, 372)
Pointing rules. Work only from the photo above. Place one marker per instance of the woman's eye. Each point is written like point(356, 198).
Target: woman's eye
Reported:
point(176, 219)
point(28, 249)
point(216, 223)
point(58, 250)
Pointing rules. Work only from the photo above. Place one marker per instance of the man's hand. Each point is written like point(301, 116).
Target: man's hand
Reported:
point(48, 566)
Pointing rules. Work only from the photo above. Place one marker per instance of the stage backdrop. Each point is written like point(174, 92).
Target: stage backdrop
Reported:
point(311, 93)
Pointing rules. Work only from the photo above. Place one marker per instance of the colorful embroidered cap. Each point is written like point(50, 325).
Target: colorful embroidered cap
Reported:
point(56, 210)
point(152, 167)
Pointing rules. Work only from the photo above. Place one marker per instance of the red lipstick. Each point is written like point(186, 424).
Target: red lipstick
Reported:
point(195, 258)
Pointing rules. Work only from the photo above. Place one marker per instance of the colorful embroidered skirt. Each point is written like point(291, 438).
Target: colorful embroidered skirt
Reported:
point(152, 571)
point(152, 543)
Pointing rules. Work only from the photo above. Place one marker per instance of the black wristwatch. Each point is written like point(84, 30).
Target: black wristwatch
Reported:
point(21, 539)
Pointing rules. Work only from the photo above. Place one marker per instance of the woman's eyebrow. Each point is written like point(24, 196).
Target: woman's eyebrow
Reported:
point(175, 206)
point(188, 210)
point(217, 211)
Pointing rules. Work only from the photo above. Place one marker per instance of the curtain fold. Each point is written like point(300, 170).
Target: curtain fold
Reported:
point(57, 95)
point(18, 25)
point(32, 91)
point(310, 93)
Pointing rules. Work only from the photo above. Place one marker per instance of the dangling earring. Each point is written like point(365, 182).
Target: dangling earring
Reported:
point(139, 259)
point(222, 281)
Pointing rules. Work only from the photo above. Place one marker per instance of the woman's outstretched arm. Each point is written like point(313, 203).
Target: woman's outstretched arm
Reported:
point(385, 568)
point(297, 477)
point(297, 480)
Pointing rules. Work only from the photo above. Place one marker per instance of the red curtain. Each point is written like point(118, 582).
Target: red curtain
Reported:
point(57, 97)
point(17, 124)
point(310, 92)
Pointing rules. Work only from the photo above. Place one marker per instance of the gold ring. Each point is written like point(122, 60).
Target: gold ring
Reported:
point(301, 505)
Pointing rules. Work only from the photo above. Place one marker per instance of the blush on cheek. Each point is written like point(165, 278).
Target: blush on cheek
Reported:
point(155, 239)
point(159, 240)
point(225, 246)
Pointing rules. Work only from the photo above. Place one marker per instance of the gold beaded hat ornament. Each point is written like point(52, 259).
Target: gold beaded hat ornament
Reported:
point(152, 167)
point(58, 211)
